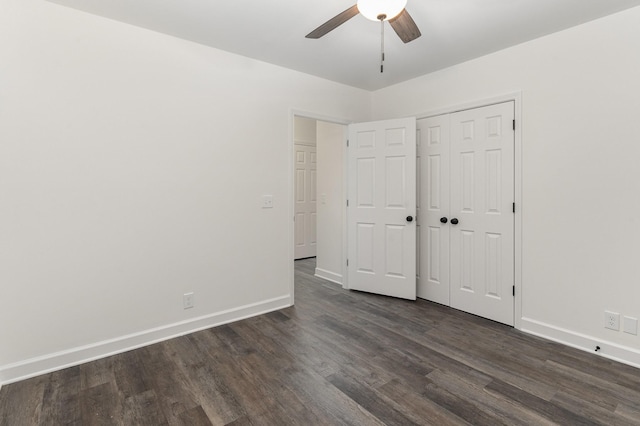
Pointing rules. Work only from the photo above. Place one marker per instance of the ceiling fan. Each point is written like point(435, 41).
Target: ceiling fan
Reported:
point(375, 10)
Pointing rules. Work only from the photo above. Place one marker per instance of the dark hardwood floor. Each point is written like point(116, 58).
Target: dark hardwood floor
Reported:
point(337, 357)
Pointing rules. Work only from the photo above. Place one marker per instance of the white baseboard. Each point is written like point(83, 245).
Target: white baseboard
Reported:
point(79, 355)
point(329, 276)
point(614, 351)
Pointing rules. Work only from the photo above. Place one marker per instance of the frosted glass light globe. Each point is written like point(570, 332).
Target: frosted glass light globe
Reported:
point(371, 9)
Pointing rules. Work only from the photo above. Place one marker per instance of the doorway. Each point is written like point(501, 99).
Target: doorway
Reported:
point(318, 193)
point(305, 183)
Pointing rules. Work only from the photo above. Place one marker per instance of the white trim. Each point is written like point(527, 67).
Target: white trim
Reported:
point(518, 199)
point(345, 210)
point(511, 96)
point(613, 351)
point(319, 117)
point(79, 355)
point(291, 209)
point(516, 98)
point(328, 275)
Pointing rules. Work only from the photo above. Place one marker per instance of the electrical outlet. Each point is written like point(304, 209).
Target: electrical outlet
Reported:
point(611, 320)
point(187, 300)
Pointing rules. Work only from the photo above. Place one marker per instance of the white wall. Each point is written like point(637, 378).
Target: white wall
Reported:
point(331, 138)
point(304, 130)
point(580, 174)
point(131, 170)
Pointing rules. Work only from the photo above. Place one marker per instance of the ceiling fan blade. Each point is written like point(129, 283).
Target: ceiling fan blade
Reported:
point(334, 22)
point(405, 27)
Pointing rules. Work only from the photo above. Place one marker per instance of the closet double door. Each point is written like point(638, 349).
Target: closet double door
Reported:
point(466, 210)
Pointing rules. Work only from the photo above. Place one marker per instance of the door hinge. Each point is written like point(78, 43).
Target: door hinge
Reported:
point(347, 262)
point(514, 290)
point(514, 124)
point(514, 207)
point(347, 143)
point(347, 203)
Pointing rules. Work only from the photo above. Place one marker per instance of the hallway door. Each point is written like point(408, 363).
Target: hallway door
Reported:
point(382, 207)
point(305, 201)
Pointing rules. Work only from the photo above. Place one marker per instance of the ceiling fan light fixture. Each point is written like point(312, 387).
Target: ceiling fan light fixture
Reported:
point(374, 9)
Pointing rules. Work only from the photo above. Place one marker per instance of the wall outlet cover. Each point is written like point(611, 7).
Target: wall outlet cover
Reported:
point(630, 325)
point(612, 320)
point(187, 301)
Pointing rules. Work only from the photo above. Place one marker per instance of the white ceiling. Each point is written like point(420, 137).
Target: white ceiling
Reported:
point(273, 31)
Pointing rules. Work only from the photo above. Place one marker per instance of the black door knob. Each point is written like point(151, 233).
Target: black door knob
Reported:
point(454, 221)
point(443, 219)
point(409, 218)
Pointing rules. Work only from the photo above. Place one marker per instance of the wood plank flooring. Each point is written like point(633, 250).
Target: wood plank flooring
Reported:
point(337, 357)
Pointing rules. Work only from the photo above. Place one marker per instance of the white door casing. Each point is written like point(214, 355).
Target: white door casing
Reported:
point(382, 207)
point(305, 201)
point(477, 191)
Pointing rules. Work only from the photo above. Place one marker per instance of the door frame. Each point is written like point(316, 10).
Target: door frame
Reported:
point(516, 98)
point(291, 192)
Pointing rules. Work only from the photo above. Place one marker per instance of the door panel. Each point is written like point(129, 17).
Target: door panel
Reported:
point(382, 194)
point(433, 143)
point(305, 205)
point(482, 193)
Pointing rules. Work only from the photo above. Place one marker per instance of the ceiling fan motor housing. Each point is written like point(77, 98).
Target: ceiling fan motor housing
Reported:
point(374, 9)
point(392, 11)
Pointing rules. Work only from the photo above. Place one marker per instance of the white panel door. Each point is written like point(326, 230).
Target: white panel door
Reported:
point(382, 207)
point(466, 211)
point(305, 201)
point(433, 210)
point(482, 195)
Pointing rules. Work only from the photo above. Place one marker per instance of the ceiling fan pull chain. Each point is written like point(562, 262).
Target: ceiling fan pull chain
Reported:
point(381, 18)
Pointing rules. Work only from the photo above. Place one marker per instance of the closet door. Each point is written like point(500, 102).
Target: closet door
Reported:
point(433, 208)
point(467, 262)
point(482, 219)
